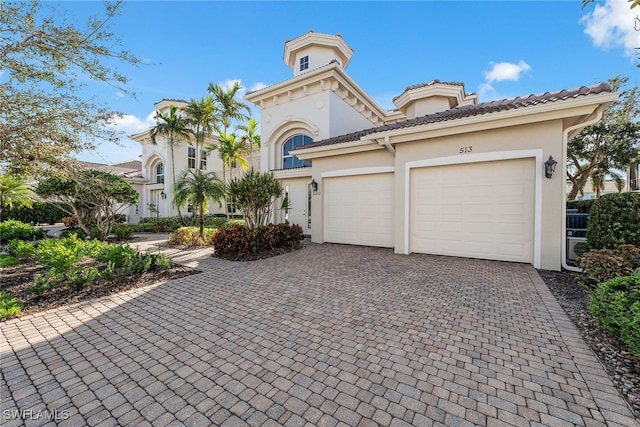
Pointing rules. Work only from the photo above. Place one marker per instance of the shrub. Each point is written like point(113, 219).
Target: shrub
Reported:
point(616, 307)
point(12, 229)
point(21, 249)
point(123, 231)
point(583, 206)
point(8, 260)
point(70, 221)
point(614, 220)
point(238, 240)
point(123, 259)
point(9, 306)
point(37, 213)
point(190, 236)
point(78, 232)
point(605, 264)
point(170, 224)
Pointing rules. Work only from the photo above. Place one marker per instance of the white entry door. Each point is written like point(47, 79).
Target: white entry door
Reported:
point(477, 210)
point(299, 201)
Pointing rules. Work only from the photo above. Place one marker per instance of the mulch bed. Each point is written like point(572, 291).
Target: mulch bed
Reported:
point(15, 281)
point(621, 365)
point(258, 256)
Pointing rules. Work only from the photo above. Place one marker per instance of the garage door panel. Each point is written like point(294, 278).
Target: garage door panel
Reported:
point(481, 210)
point(366, 201)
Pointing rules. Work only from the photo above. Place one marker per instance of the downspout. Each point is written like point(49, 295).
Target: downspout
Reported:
point(593, 118)
point(387, 144)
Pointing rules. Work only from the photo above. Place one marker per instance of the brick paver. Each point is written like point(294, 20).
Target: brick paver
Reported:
point(328, 335)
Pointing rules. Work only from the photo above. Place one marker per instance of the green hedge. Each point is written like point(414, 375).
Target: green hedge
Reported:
point(172, 223)
point(13, 229)
point(614, 220)
point(583, 206)
point(616, 307)
point(38, 213)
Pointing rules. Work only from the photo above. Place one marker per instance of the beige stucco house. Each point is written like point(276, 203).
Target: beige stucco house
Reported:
point(441, 174)
point(156, 178)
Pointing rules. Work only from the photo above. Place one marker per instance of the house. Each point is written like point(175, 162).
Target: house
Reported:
point(441, 174)
point(156, 168)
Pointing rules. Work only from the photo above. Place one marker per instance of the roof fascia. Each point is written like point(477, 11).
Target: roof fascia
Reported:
point(337, 149)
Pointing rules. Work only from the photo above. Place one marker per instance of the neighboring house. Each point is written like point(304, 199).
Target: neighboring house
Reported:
point(156, 190)
point(442, 174)
point(588, 192)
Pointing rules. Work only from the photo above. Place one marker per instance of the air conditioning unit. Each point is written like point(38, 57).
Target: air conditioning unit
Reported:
point(576, 246)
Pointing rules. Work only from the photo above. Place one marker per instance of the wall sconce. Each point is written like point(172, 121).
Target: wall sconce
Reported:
point(163, 195)
point(549, 167)
point(314, 186)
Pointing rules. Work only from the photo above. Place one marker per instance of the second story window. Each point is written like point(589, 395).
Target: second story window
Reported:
point(191, 157)
point(290, 161)
point(160, 173)
point(304, 63)
point(203, 160)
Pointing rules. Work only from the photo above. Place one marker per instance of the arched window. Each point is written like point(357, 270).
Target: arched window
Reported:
point(289, 161)
point(160, 173)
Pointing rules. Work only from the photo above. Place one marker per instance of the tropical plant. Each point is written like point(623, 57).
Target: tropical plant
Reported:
point(175, 128)
point(93, 197)
point(202, 117)
point(254, 194)
point(250, 136)
point(228, 105)
point(14, 193)
point(198, 188)
point(9, 306)
point(609, 145)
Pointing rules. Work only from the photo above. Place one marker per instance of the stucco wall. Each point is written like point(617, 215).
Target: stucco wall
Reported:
point(546, 136)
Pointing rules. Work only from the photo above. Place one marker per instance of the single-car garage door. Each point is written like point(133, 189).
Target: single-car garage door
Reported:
point(359, 210)
point(476, 210)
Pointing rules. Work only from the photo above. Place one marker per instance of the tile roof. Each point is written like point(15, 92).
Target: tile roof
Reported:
point(133, 164)
point(431, 83)
point(470, 111)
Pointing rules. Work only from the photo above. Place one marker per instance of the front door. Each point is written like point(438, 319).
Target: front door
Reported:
point(299, 204)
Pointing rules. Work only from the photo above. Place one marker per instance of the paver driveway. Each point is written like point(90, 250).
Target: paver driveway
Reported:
point(328, 335)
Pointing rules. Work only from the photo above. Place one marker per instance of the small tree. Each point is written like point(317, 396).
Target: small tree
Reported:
point(91, 196)
point(197, 187)
point(14, 193)
point(254, 194)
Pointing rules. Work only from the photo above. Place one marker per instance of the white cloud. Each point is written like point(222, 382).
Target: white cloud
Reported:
point(484, 90)
point(228, 84)
point(130, 124)
point(120, 95)
point(501, 71)
point(612, 24)
point(258, 86)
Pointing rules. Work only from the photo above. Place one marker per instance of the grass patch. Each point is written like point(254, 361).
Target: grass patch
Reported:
point(9, 306)
point(8, 261)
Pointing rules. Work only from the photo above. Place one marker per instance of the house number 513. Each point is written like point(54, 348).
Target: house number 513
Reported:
point(466, 149)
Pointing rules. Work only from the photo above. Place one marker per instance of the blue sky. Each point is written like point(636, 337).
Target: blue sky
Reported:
point(498, 49)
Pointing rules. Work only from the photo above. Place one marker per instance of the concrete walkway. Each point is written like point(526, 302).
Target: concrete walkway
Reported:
point(328, 335)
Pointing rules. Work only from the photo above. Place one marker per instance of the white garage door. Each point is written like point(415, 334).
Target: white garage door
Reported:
point(359, 210)
point(477, 210)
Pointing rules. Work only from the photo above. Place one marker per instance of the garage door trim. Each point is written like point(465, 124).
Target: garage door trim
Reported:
point(358, 171)
point(483, 157)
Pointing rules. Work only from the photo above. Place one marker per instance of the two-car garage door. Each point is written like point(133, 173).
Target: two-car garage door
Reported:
point(477, 210)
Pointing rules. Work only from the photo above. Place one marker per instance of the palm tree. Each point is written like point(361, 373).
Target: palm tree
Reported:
point(231, 150)
point(14, 192)
point(230, 108)
point(175, 128)
point(197, 187)
point(202, 117)
point(251, 136)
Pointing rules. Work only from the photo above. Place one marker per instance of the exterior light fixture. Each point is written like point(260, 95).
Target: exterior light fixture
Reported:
point(550, 167)
point(314, 186)
point(163, 195)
